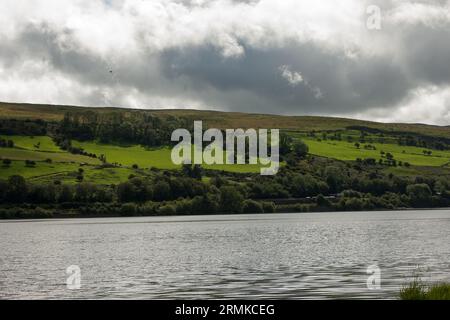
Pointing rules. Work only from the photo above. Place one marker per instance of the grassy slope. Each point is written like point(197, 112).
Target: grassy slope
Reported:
point(229, 119)
point(65, 164)
point(146, 158)
point(38, 143)
point(343, 150)
point(91, 174)
point(21, 154)
point(40, 170)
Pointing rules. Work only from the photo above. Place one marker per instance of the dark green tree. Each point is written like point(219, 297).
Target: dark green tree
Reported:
point(230, 200)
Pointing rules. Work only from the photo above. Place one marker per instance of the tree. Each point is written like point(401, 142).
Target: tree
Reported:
point(3, 190)
point(334, 178)
point(217, 181)
point(441, 186)
point(167, 210)
point(65, 194)
point(30, 163)
point(197, 172)
point(192, 171)
point(268, 207)
point(142, 190)
point(126, 192)
point(300, 149)
point(85, 192)
point(322, 201)
point(420, 194)
point(285, 143)
point(304, 185)
point(17, 189)
point(251, 206)
point(128, 209)
point(42, 193)
point(291, 159)
point(206, 204)
point(161, 191)
point(104, 195)
point(230, 200)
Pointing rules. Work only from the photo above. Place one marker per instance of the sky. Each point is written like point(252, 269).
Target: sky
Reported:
point(382, 60)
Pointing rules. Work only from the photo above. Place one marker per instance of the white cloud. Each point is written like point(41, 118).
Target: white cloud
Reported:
point(427, 13)
point(429, 105)
point(292, 77)
point(295, 78)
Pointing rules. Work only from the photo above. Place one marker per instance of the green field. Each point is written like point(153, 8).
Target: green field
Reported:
point(67, 172)
point(147, 158)
point(343, 150)
point(64, 165)
point(21, 154)
point(92, 174)
point(35, 143)
point(41, 169)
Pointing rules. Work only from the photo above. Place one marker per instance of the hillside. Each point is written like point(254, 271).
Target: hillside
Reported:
point(103, 161)
point(333, 138)
point(222, 120)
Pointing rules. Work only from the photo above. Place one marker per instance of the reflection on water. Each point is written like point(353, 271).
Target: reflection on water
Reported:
point(280, 256)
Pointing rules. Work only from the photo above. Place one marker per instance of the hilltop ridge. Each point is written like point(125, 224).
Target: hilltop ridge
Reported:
point(225, 119)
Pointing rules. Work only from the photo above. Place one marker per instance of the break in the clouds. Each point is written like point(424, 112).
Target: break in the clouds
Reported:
point(288, 57)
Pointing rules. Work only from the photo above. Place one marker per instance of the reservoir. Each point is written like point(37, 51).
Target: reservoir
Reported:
point(275, 256)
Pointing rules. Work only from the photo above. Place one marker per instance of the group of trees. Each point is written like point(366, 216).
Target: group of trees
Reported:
point(162, 195)
point(424, 142)
point(26, 127)
point(334, 179)
point(140, 127)
point(6, 143)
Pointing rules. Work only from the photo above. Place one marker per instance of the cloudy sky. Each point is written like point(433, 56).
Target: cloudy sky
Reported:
point(291, 57)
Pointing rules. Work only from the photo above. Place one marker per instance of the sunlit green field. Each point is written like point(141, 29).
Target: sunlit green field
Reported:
point(35, 143)
point(67, 172)
point(64, 165)
point(92, 174)
point(21, 154)
point(41, 169)
point(343, 150)
point(146, 158)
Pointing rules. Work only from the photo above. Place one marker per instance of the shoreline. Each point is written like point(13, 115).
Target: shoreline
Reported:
point(100, 216)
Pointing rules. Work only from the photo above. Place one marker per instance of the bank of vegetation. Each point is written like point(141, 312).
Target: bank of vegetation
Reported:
point(418, 290)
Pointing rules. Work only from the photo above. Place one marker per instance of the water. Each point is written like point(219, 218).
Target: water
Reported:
point(280, 256)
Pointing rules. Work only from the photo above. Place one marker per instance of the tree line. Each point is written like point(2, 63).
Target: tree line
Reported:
point(314, 184)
